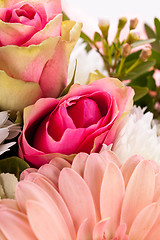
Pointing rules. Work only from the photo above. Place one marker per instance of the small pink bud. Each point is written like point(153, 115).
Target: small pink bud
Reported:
point(126, 49)
point(145, 54)
point(133, 23)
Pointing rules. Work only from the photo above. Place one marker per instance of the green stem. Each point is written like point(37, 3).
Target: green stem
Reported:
point(120, 66)
point(133, 66)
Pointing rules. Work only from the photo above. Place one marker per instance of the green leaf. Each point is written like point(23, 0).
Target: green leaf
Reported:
point(85, 37)
point(146, 101)
point(157, 26)
point(156, 57)
point(139, 70)
point(88, 48)
point(97, 37)
point(65, 17)
point(152, 34)
point(13, 165)
point(149, 31)
point(139, 92)
point(142, 80)
point(66, 90)
point(142, 42)
point(151, 83)
point(133, 56)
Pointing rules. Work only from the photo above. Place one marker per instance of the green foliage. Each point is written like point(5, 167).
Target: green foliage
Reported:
point(13, 165)
point(139, 92)
point(97, 37)
point(66, 90)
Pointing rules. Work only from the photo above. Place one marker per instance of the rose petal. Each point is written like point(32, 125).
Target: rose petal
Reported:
point(52, 29)
point(15, 33)
point(14, 93)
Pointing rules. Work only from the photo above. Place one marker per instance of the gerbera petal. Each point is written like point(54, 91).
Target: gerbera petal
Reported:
point(14, 223)
point(129, 166)
point(78, 197)
point(93, 175)
point(99, 229)
point(144, 222)
point(79, 162)
point(46, 224)
point(56, 197)
point(139, 192)
point(111, 196)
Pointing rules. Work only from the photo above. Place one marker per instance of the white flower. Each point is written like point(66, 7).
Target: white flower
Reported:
point(8, 184)
point(86, 63)
point(8, 130)
point(138, 136)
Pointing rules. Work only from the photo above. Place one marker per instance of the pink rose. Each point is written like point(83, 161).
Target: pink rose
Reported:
point(35, 46)
point(81, 121)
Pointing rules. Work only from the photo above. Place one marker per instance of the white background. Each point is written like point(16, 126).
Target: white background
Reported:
point(89, 11)
point(111, 9)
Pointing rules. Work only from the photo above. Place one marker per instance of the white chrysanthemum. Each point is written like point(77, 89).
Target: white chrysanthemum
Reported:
point(8, 184)
point(8, 130)
point(138, 136)
point(86, 63)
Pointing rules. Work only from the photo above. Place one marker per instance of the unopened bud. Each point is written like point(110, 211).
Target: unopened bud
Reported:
point(133, 36)
point(133, 23)
point(122, 22)
point(145, 54)
point(104, 25)
point(126, 49)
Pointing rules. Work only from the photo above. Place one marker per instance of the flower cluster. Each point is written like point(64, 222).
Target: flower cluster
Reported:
point(86, 165)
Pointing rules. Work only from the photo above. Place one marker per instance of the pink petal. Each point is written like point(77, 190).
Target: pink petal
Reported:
point(56, 197)
point(129, 166)
point(122, 94)
point(84, 231)
point(2, 237)
point(13, 223)
point(99, 230)
point(27, 190)
point(46, 224)
point(26, 172)
point(51, 172)
point(156, 197)
point(111, 196)
point(21, 33)
point(155, 231)
point(84, 112)
point(93, 175)
point(9, 203)
point(78, 197)
point(110, 156)
point(121, 231)
point(54, 74)
point(79, 162)
point(52, 29)
point(144, 222)
point(60, 163)
point(139, 192)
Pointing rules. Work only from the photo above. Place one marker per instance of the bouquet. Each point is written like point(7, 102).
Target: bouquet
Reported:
point(79, 127)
